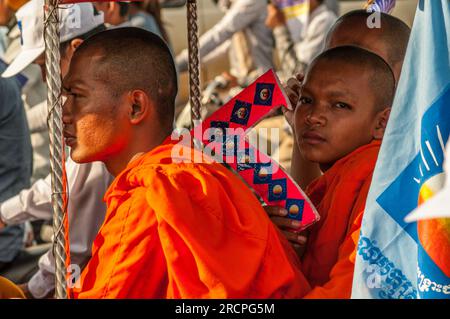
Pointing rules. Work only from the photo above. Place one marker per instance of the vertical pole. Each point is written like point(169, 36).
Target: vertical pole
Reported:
point(59, 199)
point(194, 62)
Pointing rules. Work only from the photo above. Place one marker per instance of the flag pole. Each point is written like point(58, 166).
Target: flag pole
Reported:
point(59, 196)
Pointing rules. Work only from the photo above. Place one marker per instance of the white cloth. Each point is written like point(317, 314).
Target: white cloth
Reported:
point(86, 210)
point(294, 57)
point(319, 22)
point(244, 15)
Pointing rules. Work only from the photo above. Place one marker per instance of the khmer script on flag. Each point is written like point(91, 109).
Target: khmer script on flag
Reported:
point(396, 259)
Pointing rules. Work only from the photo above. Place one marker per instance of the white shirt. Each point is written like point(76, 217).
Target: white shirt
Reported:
point(87, 184)
point(294, 57)
point(244, 15)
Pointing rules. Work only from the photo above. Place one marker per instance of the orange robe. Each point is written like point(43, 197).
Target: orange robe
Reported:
point(340, 197)
point(187, 231)
point(9, 290)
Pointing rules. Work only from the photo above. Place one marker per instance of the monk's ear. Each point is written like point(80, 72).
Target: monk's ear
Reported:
point(139, 106)
point(380, 123)
point(112, 6)
point(73, 45)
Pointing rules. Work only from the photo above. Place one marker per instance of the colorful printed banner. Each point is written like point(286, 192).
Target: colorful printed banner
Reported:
point(225, 131)
point(396, 259)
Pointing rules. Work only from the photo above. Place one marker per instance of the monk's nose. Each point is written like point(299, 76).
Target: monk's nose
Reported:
point(316, 116)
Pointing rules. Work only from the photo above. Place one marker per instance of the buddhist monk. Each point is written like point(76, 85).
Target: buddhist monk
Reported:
point(389, 42)
point(339, 124)
point(171, 230)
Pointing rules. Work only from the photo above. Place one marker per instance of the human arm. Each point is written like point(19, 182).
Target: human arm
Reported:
point(241, 14)
point(287, 226)
point(30, 204)
point(283, 41)
point(295, 56)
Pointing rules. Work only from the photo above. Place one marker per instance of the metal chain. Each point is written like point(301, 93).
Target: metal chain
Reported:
point(59, 196)
point(194, 62)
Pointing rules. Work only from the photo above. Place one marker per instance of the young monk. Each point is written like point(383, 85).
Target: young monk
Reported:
point(339, 124)
point(389, 42)
point(171, 230)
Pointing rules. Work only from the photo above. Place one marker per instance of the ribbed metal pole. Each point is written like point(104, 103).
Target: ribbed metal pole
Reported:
point(52, 61)
point(194, 62)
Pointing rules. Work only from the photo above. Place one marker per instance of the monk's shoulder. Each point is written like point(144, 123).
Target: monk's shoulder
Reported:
point(186, 174)
point(182, 193)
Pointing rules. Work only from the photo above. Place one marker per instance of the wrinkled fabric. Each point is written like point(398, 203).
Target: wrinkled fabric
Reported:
point(340, 197)
point(187, 231)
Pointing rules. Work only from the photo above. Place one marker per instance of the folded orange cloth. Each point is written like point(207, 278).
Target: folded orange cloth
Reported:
point(340, 197)
point(9, 290)
point(187, 231)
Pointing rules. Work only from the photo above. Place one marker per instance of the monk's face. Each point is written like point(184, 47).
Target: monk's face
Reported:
point(336, 112)
point(95, 126)
point(359, 35)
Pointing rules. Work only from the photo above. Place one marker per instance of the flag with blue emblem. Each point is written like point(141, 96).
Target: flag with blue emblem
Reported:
point(396, 259)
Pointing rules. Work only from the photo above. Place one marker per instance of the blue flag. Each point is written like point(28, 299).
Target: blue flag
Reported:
point(396, 259)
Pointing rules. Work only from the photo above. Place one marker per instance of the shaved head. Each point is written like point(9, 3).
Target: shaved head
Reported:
point(382, 81)
point(135, 59)
point(389, 41)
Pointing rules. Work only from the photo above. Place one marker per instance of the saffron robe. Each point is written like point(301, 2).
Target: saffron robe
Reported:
point(340, 197)
point(185, 230)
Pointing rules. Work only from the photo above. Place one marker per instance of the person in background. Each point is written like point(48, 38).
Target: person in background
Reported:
point(295, 57)
point(241, 15)
point(249, 43)
point(15, 162)
point(116, 13)
point(147, 15)
point(34, 90)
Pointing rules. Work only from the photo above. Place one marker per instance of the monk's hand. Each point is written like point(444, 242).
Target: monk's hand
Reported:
point(232, 81)
point(293, 91)
point(275, 17)
point(289, 227)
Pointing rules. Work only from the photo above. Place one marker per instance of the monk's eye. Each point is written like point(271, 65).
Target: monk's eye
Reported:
point(65, 92)
point(342, 105)
point(304, 100)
